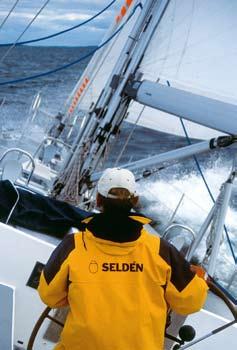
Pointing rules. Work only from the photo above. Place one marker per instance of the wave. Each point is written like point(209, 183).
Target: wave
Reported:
point(160, 197)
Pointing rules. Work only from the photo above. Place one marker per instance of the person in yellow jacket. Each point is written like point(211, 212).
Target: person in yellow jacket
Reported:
point(118, 279)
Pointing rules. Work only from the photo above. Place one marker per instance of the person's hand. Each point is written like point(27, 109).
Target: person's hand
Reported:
point(201, 272)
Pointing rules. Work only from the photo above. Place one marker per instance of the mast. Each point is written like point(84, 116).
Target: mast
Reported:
point(104, 120)
point(89, 73)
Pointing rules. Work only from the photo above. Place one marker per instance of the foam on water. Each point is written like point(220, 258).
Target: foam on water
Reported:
point(197, 200)
point(162, 196)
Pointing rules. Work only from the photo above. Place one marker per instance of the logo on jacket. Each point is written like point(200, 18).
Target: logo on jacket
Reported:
point(122, 267)
point(115, 267)
point(93, 266)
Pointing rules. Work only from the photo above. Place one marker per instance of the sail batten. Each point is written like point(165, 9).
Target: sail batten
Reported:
point(199, 109)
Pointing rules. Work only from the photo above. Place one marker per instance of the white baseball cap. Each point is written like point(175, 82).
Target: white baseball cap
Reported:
point(116, 178)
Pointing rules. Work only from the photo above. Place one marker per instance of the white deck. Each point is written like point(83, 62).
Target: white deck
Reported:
point(19, 253)
point(205, 322)
point(7, 298)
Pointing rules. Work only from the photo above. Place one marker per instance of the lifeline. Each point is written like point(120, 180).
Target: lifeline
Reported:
point(122, 267)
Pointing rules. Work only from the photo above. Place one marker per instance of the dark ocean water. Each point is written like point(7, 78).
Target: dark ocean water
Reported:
point(160, 193)
point(26, 61)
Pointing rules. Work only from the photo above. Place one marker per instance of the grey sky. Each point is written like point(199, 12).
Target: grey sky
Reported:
point(58, 15)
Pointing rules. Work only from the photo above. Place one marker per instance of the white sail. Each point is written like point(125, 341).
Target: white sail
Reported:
point(103, 62)
point(189, 50)
point(193, 49)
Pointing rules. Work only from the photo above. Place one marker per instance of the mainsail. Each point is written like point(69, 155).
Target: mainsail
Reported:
point(192, 49)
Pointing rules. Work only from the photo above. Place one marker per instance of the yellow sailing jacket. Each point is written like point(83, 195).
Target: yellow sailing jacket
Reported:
point(118, 293)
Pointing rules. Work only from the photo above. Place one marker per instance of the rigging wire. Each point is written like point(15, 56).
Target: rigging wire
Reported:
point(209, 190)
point(129, 137)
point(71, 194)
point(189, 142)
point(63, 31)
point(9, 13)
point(157, 80)
point(96, 72)
point(76, 61)
point(27, 27)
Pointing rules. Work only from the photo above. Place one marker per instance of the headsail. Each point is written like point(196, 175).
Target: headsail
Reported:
point(93, 80)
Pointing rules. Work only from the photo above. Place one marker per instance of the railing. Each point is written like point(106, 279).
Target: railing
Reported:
point(184, 227)
point(54, 140)
point(22, 153)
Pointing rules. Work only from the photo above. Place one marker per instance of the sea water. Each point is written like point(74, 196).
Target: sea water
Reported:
point(160, 193)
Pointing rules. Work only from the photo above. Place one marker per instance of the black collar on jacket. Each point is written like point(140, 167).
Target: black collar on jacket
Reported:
point(115, 227)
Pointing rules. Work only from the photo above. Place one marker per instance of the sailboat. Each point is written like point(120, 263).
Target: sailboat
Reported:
point(147, 71)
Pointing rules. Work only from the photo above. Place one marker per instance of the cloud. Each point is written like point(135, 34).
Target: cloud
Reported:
point(57, 15)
